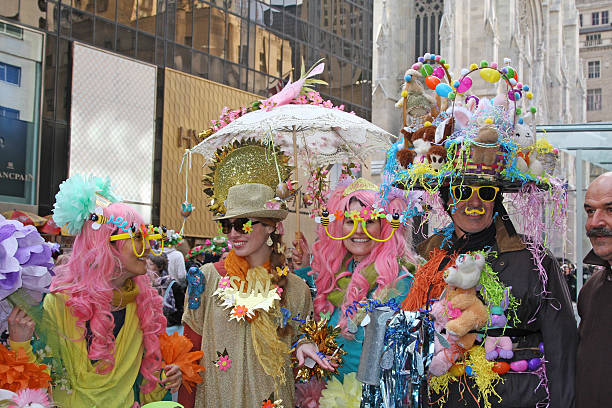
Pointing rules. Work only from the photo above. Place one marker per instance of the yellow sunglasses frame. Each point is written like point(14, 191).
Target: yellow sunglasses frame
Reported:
point(474, 188)
point(147, 237)
point(395, 223)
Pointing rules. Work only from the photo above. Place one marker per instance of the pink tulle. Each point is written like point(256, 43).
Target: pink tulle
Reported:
point(86, 280)
point(329, 254)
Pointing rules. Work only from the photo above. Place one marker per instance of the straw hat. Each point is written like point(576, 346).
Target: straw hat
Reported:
point(252, 200)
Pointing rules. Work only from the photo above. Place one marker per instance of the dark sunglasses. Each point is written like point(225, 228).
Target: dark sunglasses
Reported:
point(485, 193)
point(238, 224)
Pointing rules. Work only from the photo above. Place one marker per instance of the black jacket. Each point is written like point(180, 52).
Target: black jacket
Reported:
point(551, 319)
point(593, 379)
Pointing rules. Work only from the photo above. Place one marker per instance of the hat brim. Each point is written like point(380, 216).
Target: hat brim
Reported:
point(237, 213)
point(507, 186)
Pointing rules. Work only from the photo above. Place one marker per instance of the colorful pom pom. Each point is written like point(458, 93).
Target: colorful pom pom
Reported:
point(529, 95)
point(533, 109)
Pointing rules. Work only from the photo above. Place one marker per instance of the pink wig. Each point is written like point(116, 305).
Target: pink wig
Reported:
point(329, 255)
point(86, 280)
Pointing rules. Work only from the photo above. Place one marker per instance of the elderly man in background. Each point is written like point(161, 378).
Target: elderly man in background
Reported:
point(593, 379)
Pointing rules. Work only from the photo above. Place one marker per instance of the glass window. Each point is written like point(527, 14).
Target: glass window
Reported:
point(595, 18)
point(10, 73)
point(146, 48)
point(12, 30)
point(604, 17)
point(104, 34)
point(82, 26)
point(126, 41)
point(49, 70)
point(594, 99)
point(9, 114)
point(580, 19)
point(594, 67)
point(64, 72)
point(593, 39)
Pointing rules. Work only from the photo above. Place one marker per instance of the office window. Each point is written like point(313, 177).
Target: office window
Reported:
point(594, 99)
point(9, 113)
point(580, 19)
point(593, 39)
point(11, 30)
point(595, 18)
point(594, 69)
point(604, 17)
point(10, 73)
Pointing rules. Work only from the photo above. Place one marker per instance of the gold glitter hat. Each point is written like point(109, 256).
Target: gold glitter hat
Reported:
point(359, 184)
point(257, 169)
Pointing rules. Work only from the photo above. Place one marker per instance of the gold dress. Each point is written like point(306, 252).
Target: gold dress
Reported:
point(244, 383)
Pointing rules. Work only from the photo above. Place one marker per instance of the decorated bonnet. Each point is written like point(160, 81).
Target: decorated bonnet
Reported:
point(469, 139)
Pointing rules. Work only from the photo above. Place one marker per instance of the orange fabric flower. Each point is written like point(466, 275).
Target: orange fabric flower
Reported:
point(267, 404)
point(17, 373)
point(240, 311)
point(176, 349)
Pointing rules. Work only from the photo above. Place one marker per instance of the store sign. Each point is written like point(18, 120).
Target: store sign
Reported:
point(13, 158)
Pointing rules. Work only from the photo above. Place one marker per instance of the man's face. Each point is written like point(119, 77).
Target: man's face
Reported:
point(598, 207)
point(472, 215)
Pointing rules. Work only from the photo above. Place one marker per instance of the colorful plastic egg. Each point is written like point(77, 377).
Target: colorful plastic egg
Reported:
point(426, 70)
point(443, 89)
point(501, 367)
point(534, 364)
point(456, 370)
point(519, 366)
point(490, 75)
point(431, 81)
point(439, 72)
point(466, 83)
point(510, 72)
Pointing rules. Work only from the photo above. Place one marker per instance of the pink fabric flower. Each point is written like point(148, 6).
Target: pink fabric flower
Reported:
point(224, 282)
point(280, 230)
point(273, 205)
point(224, 363)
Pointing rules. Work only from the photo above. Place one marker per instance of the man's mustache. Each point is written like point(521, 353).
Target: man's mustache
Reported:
point(599, 232)
point(479, 211)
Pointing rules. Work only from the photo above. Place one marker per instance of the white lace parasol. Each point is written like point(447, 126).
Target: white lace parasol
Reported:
point(323, 135)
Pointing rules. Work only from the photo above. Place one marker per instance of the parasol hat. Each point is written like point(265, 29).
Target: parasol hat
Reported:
point(252, 200)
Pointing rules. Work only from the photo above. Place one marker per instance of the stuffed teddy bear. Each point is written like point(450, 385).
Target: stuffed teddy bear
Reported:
point(436, 156)
point(463, 309)
point(485, 150)
point(499, 346)
point(421, 140)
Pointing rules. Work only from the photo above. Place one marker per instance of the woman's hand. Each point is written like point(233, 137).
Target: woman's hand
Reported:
point(174, 378)
point(300, 254)
point(310, 350)
point(21, 326)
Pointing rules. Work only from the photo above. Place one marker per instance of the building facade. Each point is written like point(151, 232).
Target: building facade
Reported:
point(246, 45)
point(596, 56)
point(540, 37)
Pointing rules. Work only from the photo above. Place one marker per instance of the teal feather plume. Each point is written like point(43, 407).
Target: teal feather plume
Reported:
point(76, 199)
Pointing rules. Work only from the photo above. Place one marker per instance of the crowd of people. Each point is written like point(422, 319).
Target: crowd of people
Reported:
point(132, 316)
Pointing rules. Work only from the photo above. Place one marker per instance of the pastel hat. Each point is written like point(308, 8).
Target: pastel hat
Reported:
point(252, 200)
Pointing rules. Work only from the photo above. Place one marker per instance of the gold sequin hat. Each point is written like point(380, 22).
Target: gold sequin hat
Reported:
point(258, 169)
point(252, 200)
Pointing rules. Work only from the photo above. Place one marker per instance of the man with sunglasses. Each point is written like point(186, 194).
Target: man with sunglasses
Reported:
point(480, 222)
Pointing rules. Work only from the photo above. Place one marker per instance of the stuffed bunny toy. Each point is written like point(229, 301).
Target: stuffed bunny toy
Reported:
point(499, 346)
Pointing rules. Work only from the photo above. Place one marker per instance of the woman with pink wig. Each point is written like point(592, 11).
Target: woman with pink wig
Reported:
point(358, 267)
point(102, 319)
